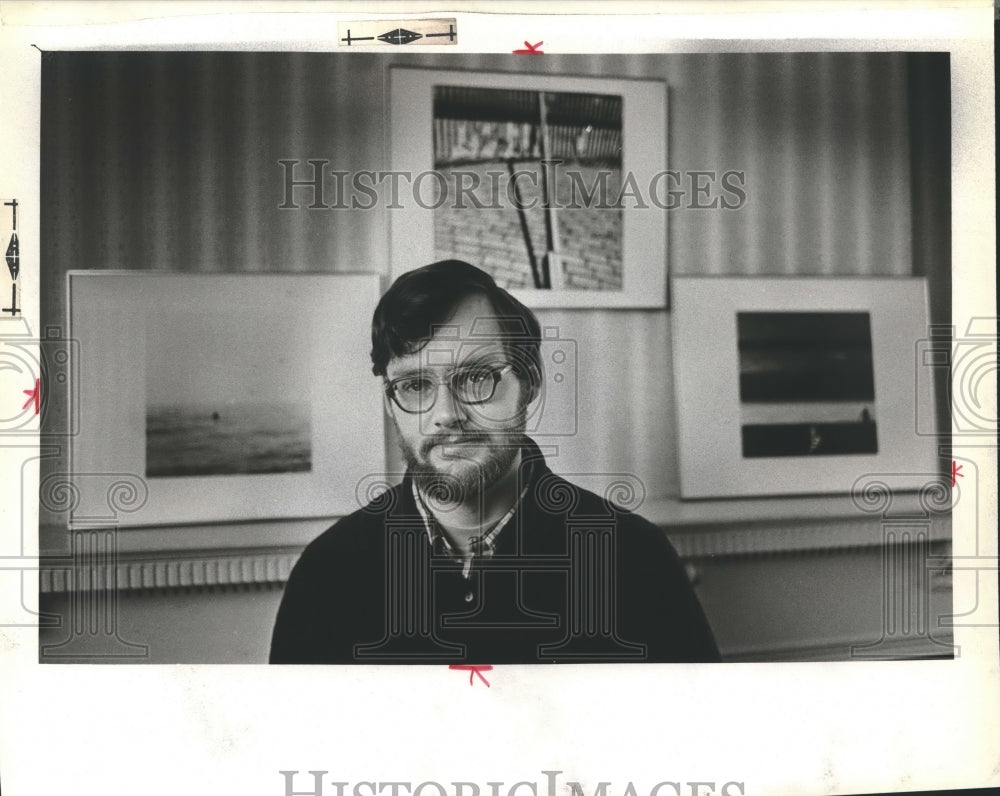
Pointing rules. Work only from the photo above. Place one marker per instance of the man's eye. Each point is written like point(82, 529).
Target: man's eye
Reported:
point(477, 376)
point(413, 386)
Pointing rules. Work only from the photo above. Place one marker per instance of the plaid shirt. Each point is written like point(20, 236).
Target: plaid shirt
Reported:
point(479, 546)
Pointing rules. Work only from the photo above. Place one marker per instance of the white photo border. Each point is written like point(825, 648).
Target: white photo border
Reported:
point(747, 728)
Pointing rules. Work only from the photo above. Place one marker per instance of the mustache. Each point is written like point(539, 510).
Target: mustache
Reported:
point(452, 439)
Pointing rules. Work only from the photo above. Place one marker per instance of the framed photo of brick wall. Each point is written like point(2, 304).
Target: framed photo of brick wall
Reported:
point(556, 186)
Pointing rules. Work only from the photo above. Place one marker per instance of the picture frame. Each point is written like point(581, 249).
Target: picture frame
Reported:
point(593, 233)
point(221, 397)
point(800, 385)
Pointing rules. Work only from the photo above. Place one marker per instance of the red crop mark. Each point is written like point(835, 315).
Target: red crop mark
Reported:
point(956, 471)
point(473, 670)
point(33, 395)
point(532, 49)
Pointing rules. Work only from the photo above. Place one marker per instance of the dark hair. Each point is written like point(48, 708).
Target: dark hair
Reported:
point(425, 298)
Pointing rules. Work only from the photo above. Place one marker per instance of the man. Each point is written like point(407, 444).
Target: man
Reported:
point(482, 554)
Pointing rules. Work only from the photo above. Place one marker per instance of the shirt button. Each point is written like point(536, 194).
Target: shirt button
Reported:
point(468, 596)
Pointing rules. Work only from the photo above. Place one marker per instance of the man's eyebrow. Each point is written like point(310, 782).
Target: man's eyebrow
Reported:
point(421, 369)
point(415, 371)
point(474, 359)
point(478, 355)
point(482, 358)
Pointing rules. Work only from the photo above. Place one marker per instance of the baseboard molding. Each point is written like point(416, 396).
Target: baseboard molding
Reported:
point(206, 570)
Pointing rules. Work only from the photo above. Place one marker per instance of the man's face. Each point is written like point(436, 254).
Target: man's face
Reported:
point(466, 446)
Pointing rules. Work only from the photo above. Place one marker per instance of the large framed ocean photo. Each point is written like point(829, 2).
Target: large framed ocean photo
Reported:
point(555, 185)
point(222, 397)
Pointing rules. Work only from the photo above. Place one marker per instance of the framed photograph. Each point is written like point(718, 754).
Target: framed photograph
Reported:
point(557, 186)
point(201, 415)
point(800, 385)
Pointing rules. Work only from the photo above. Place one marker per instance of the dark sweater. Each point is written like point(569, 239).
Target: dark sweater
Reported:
point(574, 579)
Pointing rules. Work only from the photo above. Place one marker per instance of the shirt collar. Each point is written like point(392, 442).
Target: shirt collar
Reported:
point(480, 546)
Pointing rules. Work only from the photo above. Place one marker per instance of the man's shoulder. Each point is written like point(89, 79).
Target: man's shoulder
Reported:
point(362, 529)
point(556, 494)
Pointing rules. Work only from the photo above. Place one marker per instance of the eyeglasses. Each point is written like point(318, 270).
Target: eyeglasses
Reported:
point(469, 385)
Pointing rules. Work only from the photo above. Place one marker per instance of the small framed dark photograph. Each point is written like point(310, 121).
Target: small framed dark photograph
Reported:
point(799, 385)
point(807, 384)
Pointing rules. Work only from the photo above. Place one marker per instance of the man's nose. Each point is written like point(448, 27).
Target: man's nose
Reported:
point(447, 411)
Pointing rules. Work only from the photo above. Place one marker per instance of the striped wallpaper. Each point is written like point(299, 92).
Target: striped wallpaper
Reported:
point(171, 161)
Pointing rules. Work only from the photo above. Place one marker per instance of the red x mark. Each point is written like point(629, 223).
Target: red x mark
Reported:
point(473, 671)
point(956, 470)
point(532, 49)
point(33, 395)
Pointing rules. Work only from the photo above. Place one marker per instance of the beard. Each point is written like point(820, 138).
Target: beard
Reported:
point(471, 461)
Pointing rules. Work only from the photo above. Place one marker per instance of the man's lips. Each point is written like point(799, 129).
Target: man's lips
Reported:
point(450, 442)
